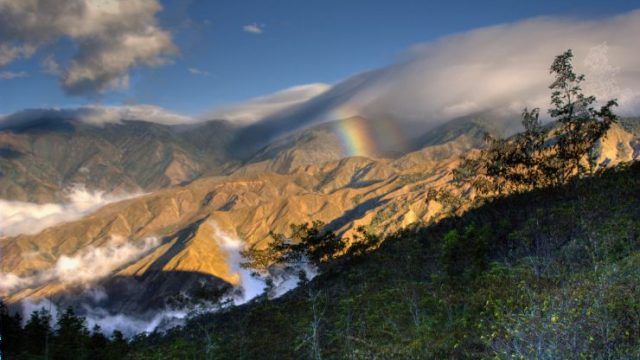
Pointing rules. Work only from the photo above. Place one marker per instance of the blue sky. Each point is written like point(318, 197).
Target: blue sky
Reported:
point(300, 42)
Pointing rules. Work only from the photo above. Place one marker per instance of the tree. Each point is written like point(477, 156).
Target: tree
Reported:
point(307, 243)
point(466, 253)
point(98, 344)
point(71, 336)
point(11, 333)
point(38, 333)
point(119, 345)
point(580, 125)
point(363, 242)
point(544, 156)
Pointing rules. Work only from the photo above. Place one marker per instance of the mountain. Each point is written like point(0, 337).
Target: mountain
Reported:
point(42, 157)
point(553, 272)
point(172, 240)
point(383, 194)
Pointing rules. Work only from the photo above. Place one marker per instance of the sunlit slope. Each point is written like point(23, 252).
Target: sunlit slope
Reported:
point(381, 194)
point(40, 159)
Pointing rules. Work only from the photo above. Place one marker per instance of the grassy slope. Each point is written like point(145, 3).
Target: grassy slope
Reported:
point(550, 274)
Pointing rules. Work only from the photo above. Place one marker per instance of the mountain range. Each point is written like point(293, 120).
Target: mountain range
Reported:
point(194, 192)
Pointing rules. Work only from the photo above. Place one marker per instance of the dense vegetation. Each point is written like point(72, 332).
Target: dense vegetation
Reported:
point(552, 273)
point(68, 338)
point(542, 156)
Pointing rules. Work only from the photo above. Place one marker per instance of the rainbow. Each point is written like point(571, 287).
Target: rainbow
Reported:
point(355, 137)
point(363, 137)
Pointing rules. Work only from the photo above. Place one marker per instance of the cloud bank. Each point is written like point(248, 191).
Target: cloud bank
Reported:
point(498, 70)
point(97, 115)
point(111, 37)
point(18, 217)
point(250, 287)
point(129, 325)
point(505, 67)
point(258, 108)
point(241, 113)
point(253, 285)
point(84, 267)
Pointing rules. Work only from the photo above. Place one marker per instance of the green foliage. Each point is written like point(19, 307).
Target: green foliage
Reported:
point(308, 242)
point(363, 242)
point(544, 156)
point(38, 332)
point(545, 274)
point(465, 254)
point(69, 339)
point(71, 336)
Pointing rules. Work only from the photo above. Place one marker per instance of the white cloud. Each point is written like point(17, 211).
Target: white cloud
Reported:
point(499, 68)
point(111, 37)
point(9, 75)
point(253, 28)
point(196, 71)
point(129, 325)
point(98, 115)
point(502, 66)
point(84, 267)
point(50, 66)
point(283, 277)
point(257, 108)
point(18, 217)
point(232, 245)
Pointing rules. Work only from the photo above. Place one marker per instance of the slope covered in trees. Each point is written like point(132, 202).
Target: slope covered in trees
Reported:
point(548, 273)
point(545, 268)
point(551, 273)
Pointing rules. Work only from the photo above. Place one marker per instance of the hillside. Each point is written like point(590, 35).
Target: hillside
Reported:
point(158, 245)
point(344, 193)
point(547, 274)
point(43, 157)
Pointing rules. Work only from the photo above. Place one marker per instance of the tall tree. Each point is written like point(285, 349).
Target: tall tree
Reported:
point(580, 125)
point(38, 333)
point(543, 156)
point(71, 336)
point(11, 333)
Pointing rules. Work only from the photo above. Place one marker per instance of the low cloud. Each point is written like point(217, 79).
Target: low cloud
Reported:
point(258, 108)
point(111, 37)
point(85, 267)
point(506, 67)
point(232, 245)
point(18, 217)
point(253, 28)
point(129, 325)
point(9, 75)
point(498, 69)
point(284, 278)
point(97, 115)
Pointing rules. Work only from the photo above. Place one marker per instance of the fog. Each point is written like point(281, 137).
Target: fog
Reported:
point(86, 266)
point(19, 217)
point(283, 277)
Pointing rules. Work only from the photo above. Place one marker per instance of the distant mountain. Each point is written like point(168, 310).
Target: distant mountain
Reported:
point(344, 192)
point(42, 157)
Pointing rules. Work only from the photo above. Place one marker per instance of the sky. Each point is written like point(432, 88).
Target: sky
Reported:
point(195, 56)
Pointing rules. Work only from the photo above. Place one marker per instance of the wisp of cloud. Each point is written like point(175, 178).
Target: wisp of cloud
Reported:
point(19, 217)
